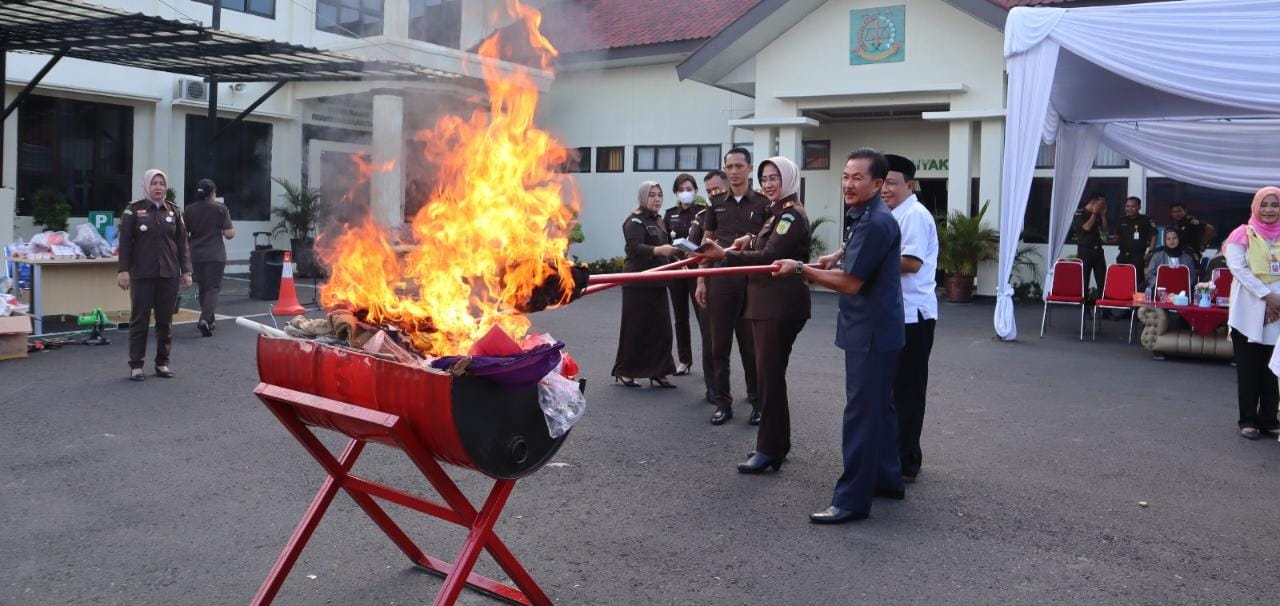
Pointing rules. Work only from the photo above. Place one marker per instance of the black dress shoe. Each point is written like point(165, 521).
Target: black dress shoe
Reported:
point(896, 495)
point(722, 414)
point(835, 515)
point(204, 328)
point(754, 419)
point(137, 377)
point(165, 374)
point(760, 462)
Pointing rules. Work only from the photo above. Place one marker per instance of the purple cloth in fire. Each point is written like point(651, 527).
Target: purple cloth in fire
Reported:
point(516, 371)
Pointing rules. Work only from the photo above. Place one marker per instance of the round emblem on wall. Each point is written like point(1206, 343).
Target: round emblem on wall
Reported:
point(877, 38)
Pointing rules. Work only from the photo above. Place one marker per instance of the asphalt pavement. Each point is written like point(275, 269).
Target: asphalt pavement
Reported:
point(1039, 456)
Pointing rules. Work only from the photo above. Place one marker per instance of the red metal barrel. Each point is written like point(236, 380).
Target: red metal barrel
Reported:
point(467, 421)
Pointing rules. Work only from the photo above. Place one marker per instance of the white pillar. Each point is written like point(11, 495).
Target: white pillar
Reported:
point(8, 194)
point(395, 20)
point(991, 160)
point(762, 143)
point(791, 144)
point(959, 166)
point(386, 185)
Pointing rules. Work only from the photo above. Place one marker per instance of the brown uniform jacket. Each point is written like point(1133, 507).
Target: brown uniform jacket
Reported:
point(730, 219)
point(153, 241)
point(643, 231)
point(785, 235)
point(206, 220)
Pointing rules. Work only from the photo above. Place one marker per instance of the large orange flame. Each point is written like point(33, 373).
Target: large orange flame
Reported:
point(495, 229)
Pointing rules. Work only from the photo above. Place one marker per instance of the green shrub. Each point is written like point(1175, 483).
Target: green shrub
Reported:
point(50, 209)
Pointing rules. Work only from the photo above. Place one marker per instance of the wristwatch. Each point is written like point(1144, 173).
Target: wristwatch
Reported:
point(799, 269)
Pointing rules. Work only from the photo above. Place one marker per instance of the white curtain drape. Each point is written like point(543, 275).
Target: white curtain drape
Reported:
point(1074, 153)
point(1137, 68)
point(1236, 155)
point(1024, 124)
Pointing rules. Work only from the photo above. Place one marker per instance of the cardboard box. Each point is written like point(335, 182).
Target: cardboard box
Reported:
point(14, 331)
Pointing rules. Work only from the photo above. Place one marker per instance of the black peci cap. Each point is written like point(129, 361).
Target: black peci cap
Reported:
point(902, 165)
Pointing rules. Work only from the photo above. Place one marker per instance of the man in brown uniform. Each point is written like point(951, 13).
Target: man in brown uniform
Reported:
point(153, 259)
point(739, 213)
point(776, 308)
point(208, 223)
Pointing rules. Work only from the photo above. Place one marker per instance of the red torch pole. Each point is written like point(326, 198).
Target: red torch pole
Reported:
point(603, 281)
point(597, 285)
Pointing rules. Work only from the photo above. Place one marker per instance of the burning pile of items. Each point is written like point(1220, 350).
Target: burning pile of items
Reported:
point(489, 246)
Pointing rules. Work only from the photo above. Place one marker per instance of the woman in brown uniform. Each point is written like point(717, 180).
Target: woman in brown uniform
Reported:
point(644, 339)
point(153, 260)
point(776, 308)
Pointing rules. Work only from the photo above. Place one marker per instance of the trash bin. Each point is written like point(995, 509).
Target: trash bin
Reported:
point(265, 267)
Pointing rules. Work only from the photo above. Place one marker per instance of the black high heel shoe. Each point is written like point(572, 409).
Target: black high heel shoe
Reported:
point(626, 382)
point(759, 462)
point(661, 382)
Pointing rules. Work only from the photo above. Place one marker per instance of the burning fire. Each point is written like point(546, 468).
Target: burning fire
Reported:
point(495, 229)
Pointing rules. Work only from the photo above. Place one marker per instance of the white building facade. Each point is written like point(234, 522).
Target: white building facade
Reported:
point(90, 130)
point(806, 79)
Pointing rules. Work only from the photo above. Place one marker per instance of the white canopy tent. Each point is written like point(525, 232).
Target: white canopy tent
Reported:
point(1188, 89)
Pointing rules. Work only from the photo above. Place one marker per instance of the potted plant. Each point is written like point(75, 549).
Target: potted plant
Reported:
point(299, 217)
point(49, 208)
point(963, 243)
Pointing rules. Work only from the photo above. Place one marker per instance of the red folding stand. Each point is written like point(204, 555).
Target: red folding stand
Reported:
point(361, 425)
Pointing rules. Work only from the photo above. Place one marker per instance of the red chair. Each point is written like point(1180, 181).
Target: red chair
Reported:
point(1222, 279)
point(1174, 279)
point(1117, 293)
point(1066, 287)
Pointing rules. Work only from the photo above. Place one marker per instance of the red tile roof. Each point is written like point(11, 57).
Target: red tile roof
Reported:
point(576, 26)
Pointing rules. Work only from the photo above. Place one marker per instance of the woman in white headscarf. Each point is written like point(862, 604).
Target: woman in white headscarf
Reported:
point(154, 260)
point(776, 308)
point(644, 339)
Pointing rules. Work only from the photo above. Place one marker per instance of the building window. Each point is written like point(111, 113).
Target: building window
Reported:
point(359, 18)
point(1035, 226)
point(261, 8)
point(579, 160)
point(1109, 158)
point(609, 159)
point(817, 155)
point(1224, 210)
point(80, 149)
point(242, 167)
point(670, 158)
point(436, 22)
point(1106, 158)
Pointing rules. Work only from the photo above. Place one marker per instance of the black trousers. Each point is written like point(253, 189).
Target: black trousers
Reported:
point(147, 295)
point(909, 387)
point(681, 292)
point(208, 275)
point(773, 340)
point(1097, 264)
point(1138, 260)
point(726, 299)
point(1256, 386)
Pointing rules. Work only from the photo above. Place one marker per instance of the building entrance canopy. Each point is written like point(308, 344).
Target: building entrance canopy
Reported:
point(1189, 89)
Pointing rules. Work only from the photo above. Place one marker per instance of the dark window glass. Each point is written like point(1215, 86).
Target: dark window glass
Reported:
point(436, 21)
point(242, 166)
point(1035, 226)
point(80, 149)
point(579, 160)
point(1224, 210)
point(670, 158)
point(817, 155)
point(609, 159)
point(359, 18)
point(261, 8)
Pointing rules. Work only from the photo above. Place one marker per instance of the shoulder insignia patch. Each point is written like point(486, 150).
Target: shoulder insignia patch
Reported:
point(128, 212)
point(783, 226)
point(637, 220)
point(1195, 221)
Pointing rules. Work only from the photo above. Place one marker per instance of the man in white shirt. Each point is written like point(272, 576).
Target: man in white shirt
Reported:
point(920, 306)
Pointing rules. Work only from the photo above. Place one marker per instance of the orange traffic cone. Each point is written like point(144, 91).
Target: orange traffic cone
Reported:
point(287, 304)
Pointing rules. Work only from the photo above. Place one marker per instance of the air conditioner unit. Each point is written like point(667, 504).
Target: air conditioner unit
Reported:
point(189, 89)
